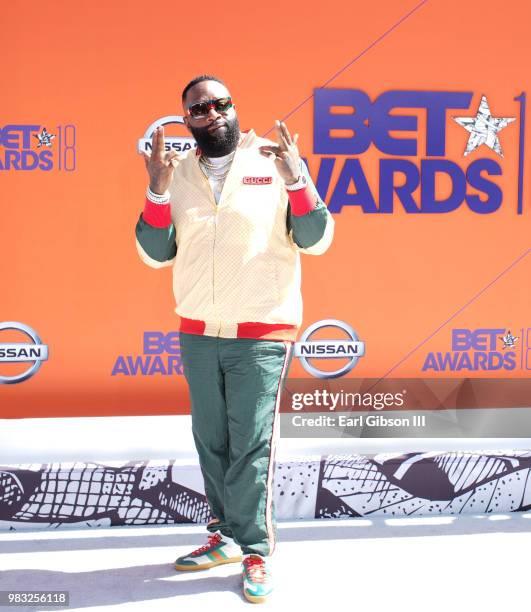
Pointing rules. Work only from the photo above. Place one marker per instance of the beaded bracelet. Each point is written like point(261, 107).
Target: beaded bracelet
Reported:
point(157, 198)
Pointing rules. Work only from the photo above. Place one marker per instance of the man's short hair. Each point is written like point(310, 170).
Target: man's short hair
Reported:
point(198, 79)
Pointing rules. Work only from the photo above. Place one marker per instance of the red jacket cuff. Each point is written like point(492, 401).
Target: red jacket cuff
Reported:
point(302, 201)
point(157, 215)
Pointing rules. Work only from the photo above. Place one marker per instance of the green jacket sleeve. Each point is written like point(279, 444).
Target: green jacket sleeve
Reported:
point(156, 246)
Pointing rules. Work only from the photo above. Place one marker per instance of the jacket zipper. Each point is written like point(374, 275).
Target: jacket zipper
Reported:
point(213, 202)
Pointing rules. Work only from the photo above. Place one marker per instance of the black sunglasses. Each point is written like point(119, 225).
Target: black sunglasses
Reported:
point(201, 109)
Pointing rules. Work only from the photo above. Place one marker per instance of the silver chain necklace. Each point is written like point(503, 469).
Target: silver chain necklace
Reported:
point(209, 164)
point(210, 173)
point(216, 171)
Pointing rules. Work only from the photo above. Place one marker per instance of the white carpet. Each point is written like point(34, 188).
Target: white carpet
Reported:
point(474, 563)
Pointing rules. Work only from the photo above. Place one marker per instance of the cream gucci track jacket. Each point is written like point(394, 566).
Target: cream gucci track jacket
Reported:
point(236, 265)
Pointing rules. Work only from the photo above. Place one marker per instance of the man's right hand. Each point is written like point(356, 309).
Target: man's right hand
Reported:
point(159, 164)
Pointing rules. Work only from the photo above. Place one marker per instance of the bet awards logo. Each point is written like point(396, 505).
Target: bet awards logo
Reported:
point(161, 355)
point(483, 349)
point(181, 144)
point(35, 147)
point(410, 130)
point(15, 352)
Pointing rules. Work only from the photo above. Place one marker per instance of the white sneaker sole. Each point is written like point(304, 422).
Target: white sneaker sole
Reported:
point(256, 598)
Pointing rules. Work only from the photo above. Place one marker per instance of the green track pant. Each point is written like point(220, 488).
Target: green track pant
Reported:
point(235, 387)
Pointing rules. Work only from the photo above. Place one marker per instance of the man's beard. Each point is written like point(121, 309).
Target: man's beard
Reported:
point(220, 142)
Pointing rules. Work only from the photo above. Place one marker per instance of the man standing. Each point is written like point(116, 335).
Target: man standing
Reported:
point(231, 217)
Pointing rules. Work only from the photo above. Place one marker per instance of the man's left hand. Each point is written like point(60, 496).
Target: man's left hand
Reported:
point(285, 154)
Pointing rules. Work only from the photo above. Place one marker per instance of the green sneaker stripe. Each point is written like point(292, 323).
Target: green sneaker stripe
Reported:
point(215, 554)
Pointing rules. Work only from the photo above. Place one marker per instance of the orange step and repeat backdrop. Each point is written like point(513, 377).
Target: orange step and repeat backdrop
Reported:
point(412, 118)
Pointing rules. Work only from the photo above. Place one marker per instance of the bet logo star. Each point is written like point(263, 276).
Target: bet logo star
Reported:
point(44, 138)
point(483, 128)
point(508, 340)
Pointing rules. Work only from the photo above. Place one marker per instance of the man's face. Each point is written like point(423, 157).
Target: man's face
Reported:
point(218, 133)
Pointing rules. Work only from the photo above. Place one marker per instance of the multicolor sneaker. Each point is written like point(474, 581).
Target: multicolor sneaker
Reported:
point(220, 549)
point(257, 580)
